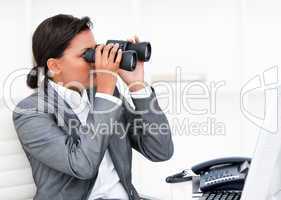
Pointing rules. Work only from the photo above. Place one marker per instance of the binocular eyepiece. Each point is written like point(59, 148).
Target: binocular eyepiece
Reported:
point(131, 53)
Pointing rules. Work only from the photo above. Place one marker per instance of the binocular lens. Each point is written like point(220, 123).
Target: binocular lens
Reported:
point(129, 60)
point(147, 52)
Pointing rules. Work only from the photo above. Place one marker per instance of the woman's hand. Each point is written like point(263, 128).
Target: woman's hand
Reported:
point(106, 67)
point(134, 79)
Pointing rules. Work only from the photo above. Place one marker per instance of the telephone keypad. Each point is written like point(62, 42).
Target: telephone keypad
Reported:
point(219, 175)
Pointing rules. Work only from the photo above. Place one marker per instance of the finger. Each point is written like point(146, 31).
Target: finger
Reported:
point(118, 58)
point(137, 39)
point(112, 53)
point(132, 40)
point(98, 53)
point(105, 52)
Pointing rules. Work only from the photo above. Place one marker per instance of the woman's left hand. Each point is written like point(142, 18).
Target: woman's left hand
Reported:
point(134, 79)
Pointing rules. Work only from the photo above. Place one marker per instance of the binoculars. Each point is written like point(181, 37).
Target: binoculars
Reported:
point(131, 53)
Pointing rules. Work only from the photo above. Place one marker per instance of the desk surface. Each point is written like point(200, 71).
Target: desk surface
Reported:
point(181, 191)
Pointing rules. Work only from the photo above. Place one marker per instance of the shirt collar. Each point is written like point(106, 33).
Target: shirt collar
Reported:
point(72, 97)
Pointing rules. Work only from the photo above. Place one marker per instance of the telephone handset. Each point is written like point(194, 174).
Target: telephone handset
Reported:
point(218, 174)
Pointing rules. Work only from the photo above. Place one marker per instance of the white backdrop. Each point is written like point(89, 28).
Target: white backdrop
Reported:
point(211, 40)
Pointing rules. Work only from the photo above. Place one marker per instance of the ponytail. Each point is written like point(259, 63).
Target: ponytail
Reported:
point(32, 78)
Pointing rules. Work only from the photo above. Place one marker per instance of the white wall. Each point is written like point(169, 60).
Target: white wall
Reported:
point(230, 40)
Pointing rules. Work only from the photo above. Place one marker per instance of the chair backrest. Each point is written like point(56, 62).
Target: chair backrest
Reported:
point(263, 180)
point(16, 181)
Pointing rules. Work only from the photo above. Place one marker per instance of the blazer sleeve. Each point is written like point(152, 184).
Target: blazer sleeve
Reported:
point(45, 141)
point(149, 130)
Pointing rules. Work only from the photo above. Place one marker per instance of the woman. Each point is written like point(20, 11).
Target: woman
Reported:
point(72, 156)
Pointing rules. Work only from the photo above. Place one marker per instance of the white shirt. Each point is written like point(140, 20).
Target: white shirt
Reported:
point(107, 183)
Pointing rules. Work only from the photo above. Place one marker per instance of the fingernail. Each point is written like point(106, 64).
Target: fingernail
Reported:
point(116, 44)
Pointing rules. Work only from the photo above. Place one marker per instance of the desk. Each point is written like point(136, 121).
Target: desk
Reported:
point(181, 191)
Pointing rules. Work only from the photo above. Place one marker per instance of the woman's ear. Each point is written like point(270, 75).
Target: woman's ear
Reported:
point(54, 67)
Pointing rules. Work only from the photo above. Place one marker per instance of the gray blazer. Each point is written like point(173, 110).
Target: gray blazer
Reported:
point(65, 159)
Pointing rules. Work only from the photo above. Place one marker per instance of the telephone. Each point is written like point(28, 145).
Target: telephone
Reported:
point(217, 175)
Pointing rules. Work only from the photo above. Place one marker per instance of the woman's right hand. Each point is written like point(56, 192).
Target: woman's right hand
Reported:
point(106, 67)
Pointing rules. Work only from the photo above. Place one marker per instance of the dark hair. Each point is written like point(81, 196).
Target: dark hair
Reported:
point(50, 39)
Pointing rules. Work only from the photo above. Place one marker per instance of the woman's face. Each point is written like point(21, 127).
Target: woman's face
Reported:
point(72, 67)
